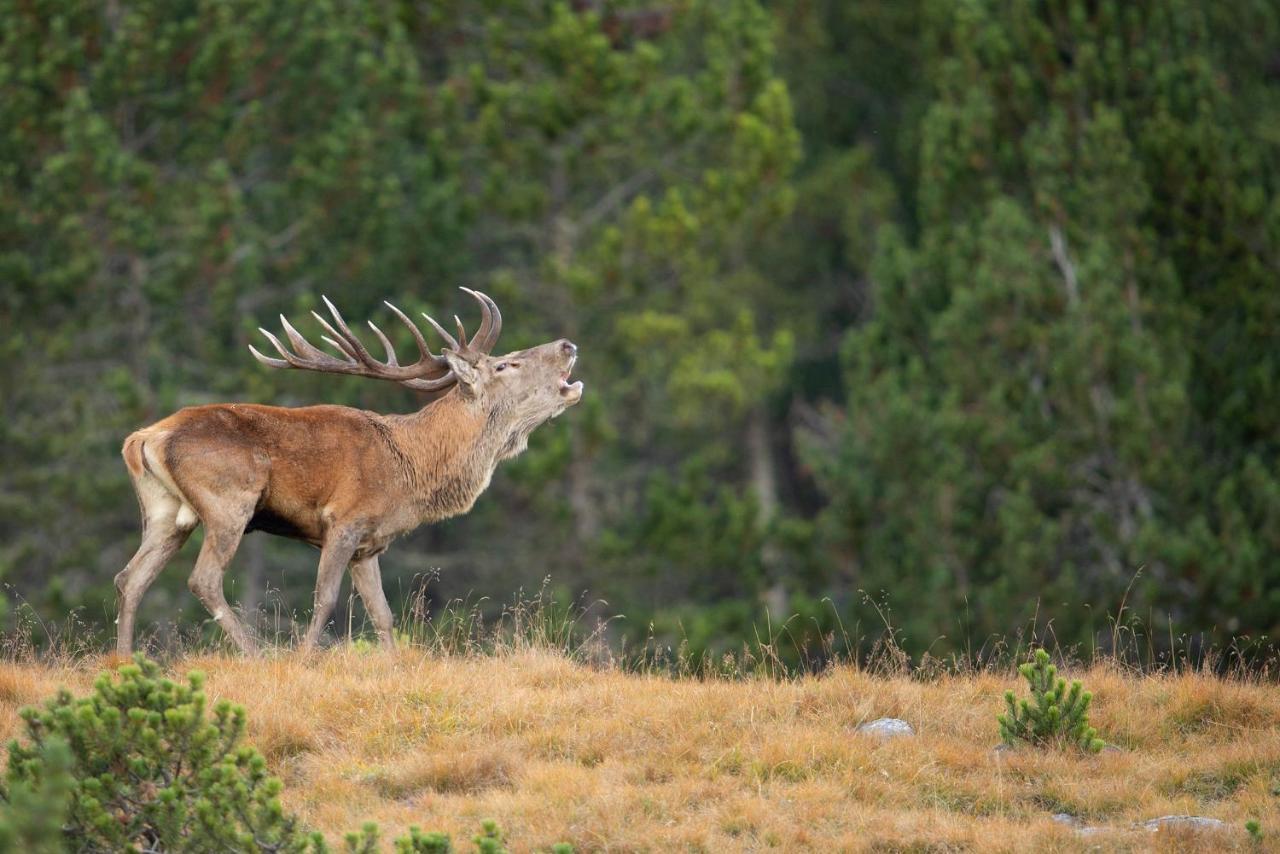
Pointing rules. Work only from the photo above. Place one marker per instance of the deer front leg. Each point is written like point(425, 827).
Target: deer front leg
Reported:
point(368, 580)
point(334, 557)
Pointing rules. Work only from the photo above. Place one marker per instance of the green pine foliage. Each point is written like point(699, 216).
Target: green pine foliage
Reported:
point(1050, 388)
point(154, 769)
point(1054, 714)
point(490, 840)
point(35, 800)
point(173, 174)
point(1254, 828)
point(140, 765)
point(971, 303)
point(417, 842)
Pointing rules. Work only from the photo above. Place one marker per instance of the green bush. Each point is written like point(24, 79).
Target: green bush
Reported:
point(139, 765)
point(36, 802)
point(1059, 715)
point(151, 770)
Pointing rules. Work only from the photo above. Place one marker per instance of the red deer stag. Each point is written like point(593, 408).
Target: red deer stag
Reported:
point(345, 480)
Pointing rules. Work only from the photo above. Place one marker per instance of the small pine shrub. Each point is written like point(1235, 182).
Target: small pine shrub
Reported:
point(138, 766)
point(1254, 827)
point(150, 770)
point(364, 842)
point(35, 802)
point(489, 840)
point(1058, 714)
point(417, 842)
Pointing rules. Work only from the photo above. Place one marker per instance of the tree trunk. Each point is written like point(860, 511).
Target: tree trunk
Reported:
point(561, 234)
point(764, 485)
point(586, 513)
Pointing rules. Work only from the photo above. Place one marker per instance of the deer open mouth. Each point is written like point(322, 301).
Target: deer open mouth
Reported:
point(568, 389)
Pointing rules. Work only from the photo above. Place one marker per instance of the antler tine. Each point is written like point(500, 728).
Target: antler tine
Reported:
point(490, 325)
point(301, 345)
point(462, 332)
point(360, 353)
point(267, 360)
point(486, 321)
point(453, 342)
point(280, 348)
point(386, 344)
point(334, 338)
point(423, 350)
point(337, 345)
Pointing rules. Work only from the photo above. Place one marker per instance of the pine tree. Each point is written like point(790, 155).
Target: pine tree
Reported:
point(1058, 714)
point(151, 769)
point(171, 175)
point(34, 801)
point(628, 163)
point(175, 173)
point(1026, 424)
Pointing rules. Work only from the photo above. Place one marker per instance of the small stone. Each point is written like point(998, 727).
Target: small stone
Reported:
point(1077, 824)
point(1111, 748)
point(887, 728)
point(1197, 821)
point(1002, 748)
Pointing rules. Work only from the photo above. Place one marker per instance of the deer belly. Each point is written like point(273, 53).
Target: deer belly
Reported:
point(271, 522)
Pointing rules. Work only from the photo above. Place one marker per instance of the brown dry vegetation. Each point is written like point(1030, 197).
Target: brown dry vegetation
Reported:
point(606, 760)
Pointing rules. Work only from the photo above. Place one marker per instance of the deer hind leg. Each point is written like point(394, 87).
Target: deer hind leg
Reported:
point(368, 580)
point(221, 484)
point(338, 548)
point(221, 538)
point(164, 530)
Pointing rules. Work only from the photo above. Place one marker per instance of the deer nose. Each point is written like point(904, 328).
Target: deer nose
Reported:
point(569, 348)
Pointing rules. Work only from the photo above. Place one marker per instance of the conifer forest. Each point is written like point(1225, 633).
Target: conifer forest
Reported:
point(959, 316)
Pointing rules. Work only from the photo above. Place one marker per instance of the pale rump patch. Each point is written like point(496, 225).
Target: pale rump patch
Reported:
point(152, 451)
point(159, 505)
point(187, 518)
point(161, 499)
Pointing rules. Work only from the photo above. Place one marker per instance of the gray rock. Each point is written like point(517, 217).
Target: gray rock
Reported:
point(887, 728)
point(1077, 824)
point(1002, 748)
point(1197, 821)
point(1194, 821)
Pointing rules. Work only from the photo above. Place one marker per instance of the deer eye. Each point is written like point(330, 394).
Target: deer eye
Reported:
point(501, 366)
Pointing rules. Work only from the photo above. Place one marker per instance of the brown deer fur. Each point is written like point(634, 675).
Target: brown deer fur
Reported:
point(345, 480)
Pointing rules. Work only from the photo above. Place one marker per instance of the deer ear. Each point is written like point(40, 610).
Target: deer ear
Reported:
point(462, 369)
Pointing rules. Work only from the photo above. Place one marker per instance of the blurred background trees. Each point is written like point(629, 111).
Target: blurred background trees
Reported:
point(967, 307)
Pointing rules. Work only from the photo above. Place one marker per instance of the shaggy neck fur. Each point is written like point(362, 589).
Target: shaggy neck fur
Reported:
point(450, 448)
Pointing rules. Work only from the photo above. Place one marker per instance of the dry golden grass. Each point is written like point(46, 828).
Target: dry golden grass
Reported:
point(609, 761)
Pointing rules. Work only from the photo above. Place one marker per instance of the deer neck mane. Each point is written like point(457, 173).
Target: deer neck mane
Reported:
point(448, 451)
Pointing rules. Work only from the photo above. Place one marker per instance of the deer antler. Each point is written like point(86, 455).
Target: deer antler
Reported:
point(429, 373)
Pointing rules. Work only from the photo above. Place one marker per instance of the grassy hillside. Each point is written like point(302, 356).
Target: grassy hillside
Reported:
point(555, 750)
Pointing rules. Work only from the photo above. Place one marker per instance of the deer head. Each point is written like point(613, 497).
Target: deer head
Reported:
point(517, 391)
